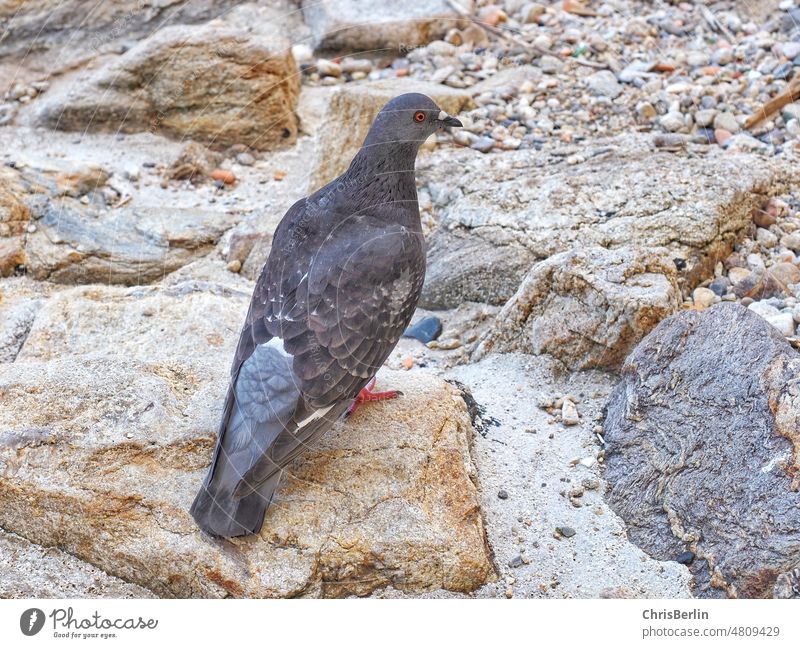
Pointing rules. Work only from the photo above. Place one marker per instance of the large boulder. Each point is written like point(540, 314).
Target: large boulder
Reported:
point(218, 84)
point(703, 450)
point(364, 25)
point(14, 220)
point(108, 419)
point(356, 106)
point(586, 307)
point(499, 214)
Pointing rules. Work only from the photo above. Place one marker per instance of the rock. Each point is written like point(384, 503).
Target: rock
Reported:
point(170, 83)
point(569, 413)
point(360, 25)
point(758, 284)
point(726, 121)
point(672, 121)
point(787, 585)
point(792, 241)
point(356, 106)
point(720, 286)
point(765, 238)
point(586, 307)
point(784, 322)
point(245, 159)
point(73, 244)
point(63, 176)
point(703, 297)
point(30, 571)
point(565, 531)
point(12, 255)
point(785, 274)
point(195, 163)
point(483, 144)
point(685, 474)
point(551, 64)
point(604, 83)
point(704, 118)
point(425, 330)
point(226, 176)
point(496, 218)
point(105, 413)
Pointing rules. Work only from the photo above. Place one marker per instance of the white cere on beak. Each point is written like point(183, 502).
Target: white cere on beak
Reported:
point(443, 115)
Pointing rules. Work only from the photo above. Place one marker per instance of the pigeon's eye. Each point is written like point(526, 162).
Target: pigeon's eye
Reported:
point(419, 116)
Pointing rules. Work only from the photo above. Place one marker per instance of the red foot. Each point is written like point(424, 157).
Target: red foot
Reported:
point(366, 395)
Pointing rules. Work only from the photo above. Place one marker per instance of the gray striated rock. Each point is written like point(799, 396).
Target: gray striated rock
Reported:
point(588, 308)
point(703, 437)
point(500, 215)
point(363, 25)
point(76, 244)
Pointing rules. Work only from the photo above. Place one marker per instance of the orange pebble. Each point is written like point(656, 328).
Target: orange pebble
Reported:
point(224, 175)
point(408, 363)
point(279, 175)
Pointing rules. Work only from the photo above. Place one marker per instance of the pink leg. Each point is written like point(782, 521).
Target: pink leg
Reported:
point(366, 395)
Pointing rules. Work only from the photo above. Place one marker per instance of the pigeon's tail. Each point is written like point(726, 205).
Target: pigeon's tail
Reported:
point(219, 513)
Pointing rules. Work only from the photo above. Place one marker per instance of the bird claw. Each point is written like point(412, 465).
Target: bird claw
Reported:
point(366, 395)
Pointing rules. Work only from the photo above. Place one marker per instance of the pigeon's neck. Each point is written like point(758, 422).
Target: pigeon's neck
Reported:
point(385, 171)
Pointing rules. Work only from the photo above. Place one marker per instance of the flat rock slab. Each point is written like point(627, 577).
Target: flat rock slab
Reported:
point(703, 439)
point(108, 421)
point(356, 105)
point(353, 26)
point(31, 571)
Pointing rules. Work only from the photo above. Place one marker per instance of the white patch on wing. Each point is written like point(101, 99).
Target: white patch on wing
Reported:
point(318, 414)
point(277, 344)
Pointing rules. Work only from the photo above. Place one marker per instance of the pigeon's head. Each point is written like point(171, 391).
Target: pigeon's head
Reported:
point(411, 117)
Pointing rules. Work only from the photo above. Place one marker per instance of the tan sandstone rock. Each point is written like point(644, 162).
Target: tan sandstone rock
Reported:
point(108, 417)
point(213, 83)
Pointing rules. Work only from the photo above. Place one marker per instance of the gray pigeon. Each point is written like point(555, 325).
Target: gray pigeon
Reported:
point(339, 287)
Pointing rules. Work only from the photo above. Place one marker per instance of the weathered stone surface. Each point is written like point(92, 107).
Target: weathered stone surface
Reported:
point(39, 24)
point(108, 418)
point(217, 84)
point(357, 106)
point(77, 244)
point(588, 307)
point(31, 571)
point(501, 214)
point(703, 449)
point(363, 25)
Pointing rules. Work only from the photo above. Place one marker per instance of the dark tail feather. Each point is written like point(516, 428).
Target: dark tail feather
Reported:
point(218, 513)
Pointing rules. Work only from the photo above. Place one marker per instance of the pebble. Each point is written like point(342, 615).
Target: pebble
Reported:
point(565, 531)
point(426, 330)
point(685, 558)
point(672, 121)
point(727, 122)
point(502, 494)
point(605, 84)
point(327, 68)
point(483, 144)
point(703, 297)
point(766, 238)
point(515, 562)
point(569, 413)
point(245, 159)
point(550, 64)
point(223, 175)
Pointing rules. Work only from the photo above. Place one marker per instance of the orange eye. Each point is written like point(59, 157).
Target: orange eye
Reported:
point(419, 116)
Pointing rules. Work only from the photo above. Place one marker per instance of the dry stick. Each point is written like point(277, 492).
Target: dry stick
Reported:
point(791, 93)
point(541, 51)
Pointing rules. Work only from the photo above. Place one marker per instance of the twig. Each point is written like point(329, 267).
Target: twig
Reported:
point(715, 24)
point(791, 93)
point(503, 33)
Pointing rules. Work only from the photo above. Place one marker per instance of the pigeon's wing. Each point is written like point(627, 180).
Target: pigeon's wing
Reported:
point(339, 325)
point(262, 397)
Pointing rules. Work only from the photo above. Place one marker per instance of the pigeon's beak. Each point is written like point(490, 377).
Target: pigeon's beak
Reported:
point(448, 121)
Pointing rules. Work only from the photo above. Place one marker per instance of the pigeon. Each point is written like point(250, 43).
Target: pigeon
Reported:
point(339, 287)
